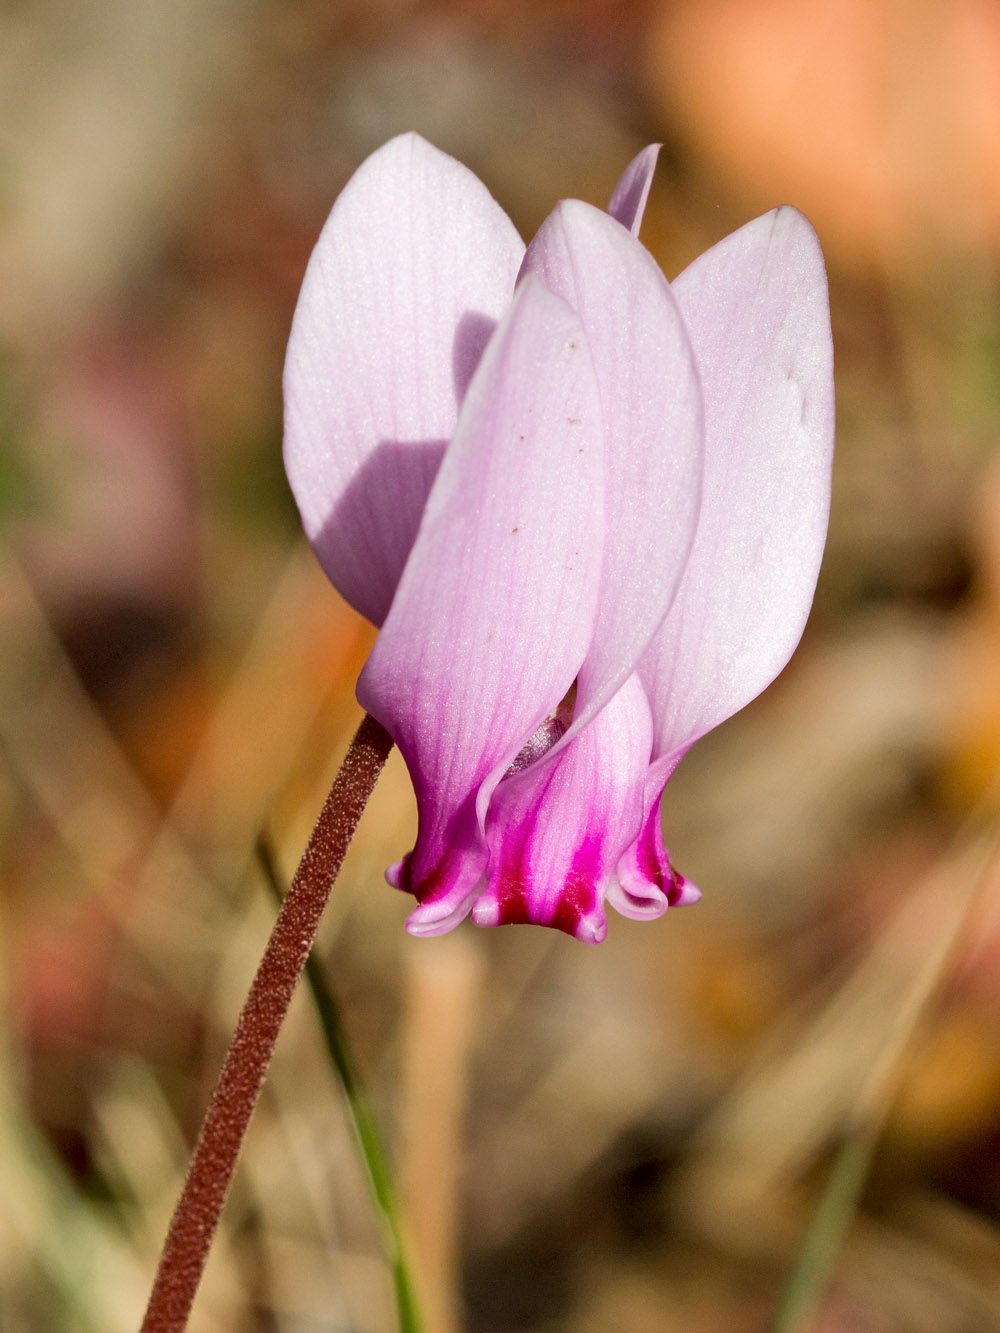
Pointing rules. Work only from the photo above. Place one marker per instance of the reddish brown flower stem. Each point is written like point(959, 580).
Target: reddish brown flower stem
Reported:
point(190, 1236)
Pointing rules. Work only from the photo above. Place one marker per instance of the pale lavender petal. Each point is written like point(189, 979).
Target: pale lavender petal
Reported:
point(557, 830)
point(757, 311)
point(414, 267)
point(628, 203)
point(495, 608)
point(651, 405)
point(647, 883)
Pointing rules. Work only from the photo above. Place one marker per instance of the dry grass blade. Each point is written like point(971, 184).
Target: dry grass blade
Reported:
point(831, 1076)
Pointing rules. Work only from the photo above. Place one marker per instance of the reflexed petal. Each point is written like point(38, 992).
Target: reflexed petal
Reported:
point(628, 203)
point(413, 269)
point(557, 829)
point(756, 308)
point(651, 405)
point(495, 608)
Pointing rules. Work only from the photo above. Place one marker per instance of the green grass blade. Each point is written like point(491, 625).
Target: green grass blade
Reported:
point(373, 1150)
point(825, 1236)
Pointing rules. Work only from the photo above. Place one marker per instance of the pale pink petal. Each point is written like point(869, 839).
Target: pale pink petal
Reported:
point(413, 269)
point(651, 405)
point(495, 609)
point(756, 308)
point(628, 203)
point(557, 830)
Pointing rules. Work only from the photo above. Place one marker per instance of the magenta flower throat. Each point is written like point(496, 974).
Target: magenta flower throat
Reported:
point(586, 507)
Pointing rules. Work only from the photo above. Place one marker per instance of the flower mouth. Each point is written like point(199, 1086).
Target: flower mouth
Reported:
point(541, 741)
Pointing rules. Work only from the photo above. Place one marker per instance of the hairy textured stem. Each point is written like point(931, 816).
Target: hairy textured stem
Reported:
point(190, 1236)
point(373, 1150)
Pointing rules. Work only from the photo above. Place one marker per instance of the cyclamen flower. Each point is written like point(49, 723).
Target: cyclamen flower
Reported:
point(586, 507)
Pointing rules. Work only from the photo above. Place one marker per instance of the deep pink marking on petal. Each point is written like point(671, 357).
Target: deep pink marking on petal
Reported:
point(646, 882)
point(511, 883)
point(557, 829)
point(446, 885)
point(682, 892)
point(650, 853)
point(643, 873)
point(434, 885)
point(576, 910)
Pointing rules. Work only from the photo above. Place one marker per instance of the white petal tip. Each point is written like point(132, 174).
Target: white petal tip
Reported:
point(685, 894)
point(420, 929)
point(486, 913)
point(436, 918)
point(592, 929)
point(635, 897)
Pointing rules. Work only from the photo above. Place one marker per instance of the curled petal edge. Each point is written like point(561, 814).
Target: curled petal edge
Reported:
point(646, 883)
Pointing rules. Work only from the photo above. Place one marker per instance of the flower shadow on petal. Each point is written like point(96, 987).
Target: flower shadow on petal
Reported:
point(395, 478)
point(390, 488)
point(471, 336)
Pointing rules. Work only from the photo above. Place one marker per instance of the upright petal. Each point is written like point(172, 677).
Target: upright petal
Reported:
point(653, 430)
point(495, 609)
point(557, 830)
point(756, 308)
point(415, 266)
point(628, 203)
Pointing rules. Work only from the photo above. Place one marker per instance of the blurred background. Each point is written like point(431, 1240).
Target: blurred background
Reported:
point(632, 1137)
